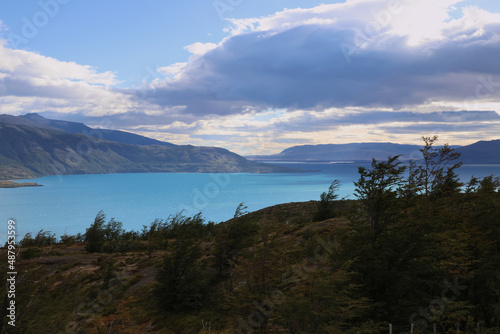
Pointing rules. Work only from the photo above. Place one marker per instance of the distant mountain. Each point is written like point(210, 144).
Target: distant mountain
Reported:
point(74, 127)
point(344, 152)
point(28, 151)
point(483, 152)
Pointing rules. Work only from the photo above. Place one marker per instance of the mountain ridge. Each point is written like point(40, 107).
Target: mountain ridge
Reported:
point(481, 152)
point(28, 152)
point(33, 146)
point(106, 134)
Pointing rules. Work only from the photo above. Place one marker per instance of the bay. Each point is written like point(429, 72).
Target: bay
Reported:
point(69, 203)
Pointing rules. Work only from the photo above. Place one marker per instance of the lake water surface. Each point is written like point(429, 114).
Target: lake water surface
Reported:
point(69, 203)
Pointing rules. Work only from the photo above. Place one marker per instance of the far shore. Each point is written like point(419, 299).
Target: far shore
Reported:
point(11, 184)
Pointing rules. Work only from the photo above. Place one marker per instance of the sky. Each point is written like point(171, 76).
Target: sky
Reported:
point(258, 76)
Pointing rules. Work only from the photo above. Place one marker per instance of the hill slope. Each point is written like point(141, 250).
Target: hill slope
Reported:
point(106, 134)
point(276, 270)
point(482, 152)
point(27, 152)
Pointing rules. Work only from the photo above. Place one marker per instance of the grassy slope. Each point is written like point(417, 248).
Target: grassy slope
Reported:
point(63, 289)
point(63, 286)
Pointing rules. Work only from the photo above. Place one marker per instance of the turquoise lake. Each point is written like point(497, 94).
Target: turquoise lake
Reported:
point(69, 203)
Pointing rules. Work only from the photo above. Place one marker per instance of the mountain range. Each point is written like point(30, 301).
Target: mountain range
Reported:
point(33, 146)
point(482, 152)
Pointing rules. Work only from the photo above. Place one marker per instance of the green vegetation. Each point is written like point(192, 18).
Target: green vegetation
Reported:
point(181, 284)
point(416, 247)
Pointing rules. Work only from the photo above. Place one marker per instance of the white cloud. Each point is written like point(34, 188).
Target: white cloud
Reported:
point(472, 23)
point(172, 72)
point(419, 21)
point(199, 49)
point(286, 19)
point(31, 82)
point(173, 69)
point(31, 65)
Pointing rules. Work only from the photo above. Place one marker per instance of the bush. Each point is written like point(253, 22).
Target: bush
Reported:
point(30, 253)
point(68, 239)
point(43, 238)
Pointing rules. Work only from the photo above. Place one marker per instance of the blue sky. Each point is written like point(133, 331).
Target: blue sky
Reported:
point(258, 76)
point(130, 37)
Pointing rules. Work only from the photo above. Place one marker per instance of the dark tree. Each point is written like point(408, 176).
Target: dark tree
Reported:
point(180, 281)
point(437, 174)
point(232, 237)
point(325, 204)
point(240, 210)
point(377, 189)
point(95, 234)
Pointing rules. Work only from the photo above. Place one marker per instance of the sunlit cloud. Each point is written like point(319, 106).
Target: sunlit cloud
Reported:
point(362, 53)
point(391, 71)
point(199, 49)
point(30, 82)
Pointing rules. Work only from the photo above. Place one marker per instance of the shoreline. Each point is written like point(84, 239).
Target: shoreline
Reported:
point(12, 184)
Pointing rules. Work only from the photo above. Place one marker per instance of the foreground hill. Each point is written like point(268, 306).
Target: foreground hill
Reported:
point(27, 152)
point(64, 289)
point(277, 270)
point(417, 253)
point(483, 152)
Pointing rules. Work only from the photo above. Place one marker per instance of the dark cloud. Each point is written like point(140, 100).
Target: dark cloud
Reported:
point(408, 116)
point(305, 67)
point(310, 122)
point(440, 128)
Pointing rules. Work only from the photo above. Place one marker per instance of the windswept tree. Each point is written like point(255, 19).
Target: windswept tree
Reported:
point(437, 174)
point(241, 210)
point(377, 189)
point(232, 237)
point(393, 245)
point(181, 283)
point(95, 236)
point(108, 237)
point(325, 204)
point(43, 238)
point(412, 186)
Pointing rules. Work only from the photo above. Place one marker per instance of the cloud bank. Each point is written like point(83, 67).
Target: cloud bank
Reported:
point(390, 70)
point(356, 54)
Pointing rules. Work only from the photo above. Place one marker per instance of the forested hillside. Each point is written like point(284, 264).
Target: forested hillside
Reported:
point(416, 247)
